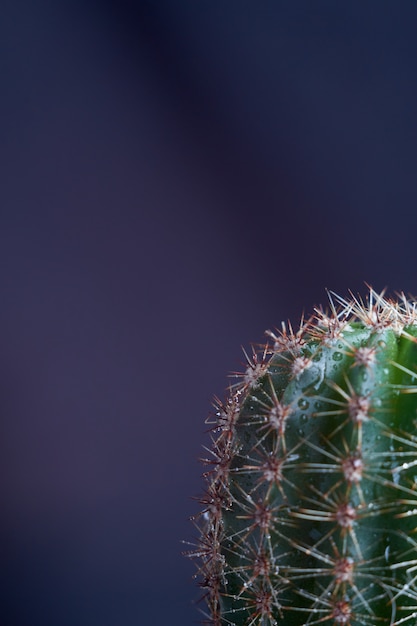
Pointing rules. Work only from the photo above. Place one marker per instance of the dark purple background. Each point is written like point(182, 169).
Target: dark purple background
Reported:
point(176, 177)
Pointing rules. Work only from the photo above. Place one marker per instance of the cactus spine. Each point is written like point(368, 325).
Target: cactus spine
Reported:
point(309, 514)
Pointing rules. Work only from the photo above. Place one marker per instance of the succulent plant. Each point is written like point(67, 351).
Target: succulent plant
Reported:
point(309, 513)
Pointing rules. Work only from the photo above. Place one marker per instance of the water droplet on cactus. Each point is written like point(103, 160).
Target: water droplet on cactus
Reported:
point(303, 403)
point(337, 356)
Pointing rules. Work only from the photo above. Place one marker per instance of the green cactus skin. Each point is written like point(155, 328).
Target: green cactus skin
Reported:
point(310, 510)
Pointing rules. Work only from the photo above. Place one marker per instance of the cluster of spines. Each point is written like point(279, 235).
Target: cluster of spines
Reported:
point(251, 468)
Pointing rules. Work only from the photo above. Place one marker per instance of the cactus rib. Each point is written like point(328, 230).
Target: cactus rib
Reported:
point(309, 513)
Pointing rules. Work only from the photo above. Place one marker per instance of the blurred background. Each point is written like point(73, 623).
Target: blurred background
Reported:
point(176, 177)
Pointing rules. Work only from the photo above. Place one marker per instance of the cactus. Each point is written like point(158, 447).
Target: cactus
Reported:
point(309, 513)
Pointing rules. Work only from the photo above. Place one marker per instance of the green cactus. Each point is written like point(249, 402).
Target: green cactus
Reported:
point(309, 514)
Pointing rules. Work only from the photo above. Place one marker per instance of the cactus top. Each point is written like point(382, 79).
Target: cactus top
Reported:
point(309, 513)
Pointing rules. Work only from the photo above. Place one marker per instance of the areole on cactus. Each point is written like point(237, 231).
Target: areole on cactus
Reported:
point(310, 509)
